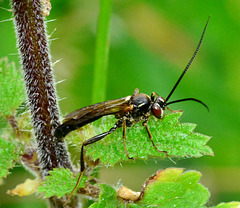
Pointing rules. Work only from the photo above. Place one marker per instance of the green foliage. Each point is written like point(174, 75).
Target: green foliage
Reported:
point(60, 182)
point(173, 188)
point(3, 124)
point(168, 188)
point(228, 205)
point(8, 156)
point(178, 139)
point(12, 92)
point(107, 198)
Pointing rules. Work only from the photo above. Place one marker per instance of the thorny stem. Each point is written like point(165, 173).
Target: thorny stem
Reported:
point(40, 88)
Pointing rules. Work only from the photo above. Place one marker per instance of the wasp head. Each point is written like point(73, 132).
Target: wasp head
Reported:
point(158, 107)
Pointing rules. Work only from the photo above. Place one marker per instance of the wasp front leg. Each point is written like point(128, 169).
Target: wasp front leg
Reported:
point(153, 95)
point(174, 111)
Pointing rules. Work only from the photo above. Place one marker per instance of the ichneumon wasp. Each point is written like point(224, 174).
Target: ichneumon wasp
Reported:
point(128, 110)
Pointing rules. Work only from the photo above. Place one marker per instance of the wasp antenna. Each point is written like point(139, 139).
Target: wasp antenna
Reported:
point(186, 99)
point(189, 63)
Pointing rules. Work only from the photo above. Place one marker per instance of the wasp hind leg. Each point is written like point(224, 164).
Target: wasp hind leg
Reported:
point(150, 137)
point(82, 163)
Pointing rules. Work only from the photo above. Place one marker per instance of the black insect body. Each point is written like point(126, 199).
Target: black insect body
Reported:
point(128, 110)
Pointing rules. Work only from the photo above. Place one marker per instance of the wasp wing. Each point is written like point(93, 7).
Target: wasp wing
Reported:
point(100, 109)
point(83, 116)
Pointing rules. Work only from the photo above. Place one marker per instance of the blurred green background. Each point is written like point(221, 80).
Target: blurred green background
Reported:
point(151, 43)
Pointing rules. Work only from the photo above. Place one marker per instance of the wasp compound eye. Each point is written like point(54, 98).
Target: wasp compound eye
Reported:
point(157, 110)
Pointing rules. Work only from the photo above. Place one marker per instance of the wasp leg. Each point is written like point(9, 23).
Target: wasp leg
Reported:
point(124, 141)
point(136, 91)
point(153, 96)
point(174, 111)
point(150, 137)
point(87, 142)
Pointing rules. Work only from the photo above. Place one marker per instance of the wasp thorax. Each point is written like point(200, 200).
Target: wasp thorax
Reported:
point(141, 101)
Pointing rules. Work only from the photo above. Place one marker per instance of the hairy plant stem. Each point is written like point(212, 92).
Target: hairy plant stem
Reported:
point(32, 43)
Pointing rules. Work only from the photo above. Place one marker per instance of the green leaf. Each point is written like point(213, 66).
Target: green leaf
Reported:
point(12, 92)
point(178, 139)
point(107, 198)
point(173, 188)
point(60, 182)
point(3, 124)
point(167, 189)
point(8, 156)
point(228, 205)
